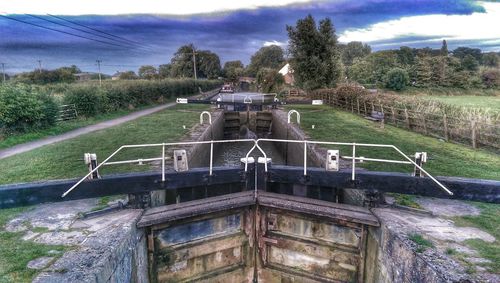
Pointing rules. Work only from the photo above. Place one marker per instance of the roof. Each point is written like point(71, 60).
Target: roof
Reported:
point(286, 69)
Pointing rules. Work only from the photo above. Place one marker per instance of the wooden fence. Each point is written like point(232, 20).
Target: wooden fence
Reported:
point(476, 133)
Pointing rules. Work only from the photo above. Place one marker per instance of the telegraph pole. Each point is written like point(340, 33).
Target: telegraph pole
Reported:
point(194, 63)
point(39, 66)
point(99, 68)
point(3, 71)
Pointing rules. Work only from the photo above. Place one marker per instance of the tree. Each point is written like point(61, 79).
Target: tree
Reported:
point(444, 48)
point(353, 50)
point(470, 63)
point(423, 75)
point(127, 75)
point(405, 56)
point(397, 79)
point(269, 80)
point(461, 52)
point(233, 70)
point(491, 77)
point(207, 63)
point(490, 59)
point(315, 56)
point(164, 71)
point(148, 72)
point(267, 57)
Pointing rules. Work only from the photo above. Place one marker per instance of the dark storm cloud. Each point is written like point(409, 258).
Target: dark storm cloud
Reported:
point(233, 35)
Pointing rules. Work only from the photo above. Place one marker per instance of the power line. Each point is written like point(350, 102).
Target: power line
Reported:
point(103, 32)
point(81, 30)
point(60, 31)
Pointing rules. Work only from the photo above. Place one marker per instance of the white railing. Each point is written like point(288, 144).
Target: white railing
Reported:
point(256, 145)
point(353, 157)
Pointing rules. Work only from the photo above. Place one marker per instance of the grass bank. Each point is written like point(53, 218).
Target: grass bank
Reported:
point(489, 221)
point(64, 127)
point(64, 159)
point(446, 159)
point(15, 253)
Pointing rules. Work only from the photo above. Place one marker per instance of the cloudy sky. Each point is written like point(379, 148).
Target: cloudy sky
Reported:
point(126, 34)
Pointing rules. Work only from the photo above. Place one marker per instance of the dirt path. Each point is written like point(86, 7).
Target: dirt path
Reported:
point(20, 148)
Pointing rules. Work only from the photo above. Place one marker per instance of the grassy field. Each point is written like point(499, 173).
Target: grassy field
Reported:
point(15, 253)
point(64, 159)
point(476, 98)
point(446, 159)
point(469, 101)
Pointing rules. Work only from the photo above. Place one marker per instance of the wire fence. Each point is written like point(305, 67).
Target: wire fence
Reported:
point(484, 133)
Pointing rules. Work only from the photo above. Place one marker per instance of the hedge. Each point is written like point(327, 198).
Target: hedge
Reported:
point(23, 108)
point(90, 99)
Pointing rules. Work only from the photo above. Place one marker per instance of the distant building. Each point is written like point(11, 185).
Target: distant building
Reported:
point(287, 73)
point(83, 77)
point(116, 76)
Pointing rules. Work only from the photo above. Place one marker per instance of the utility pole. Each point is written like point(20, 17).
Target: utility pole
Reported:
point(39, 66)
point(194, 63)
point(99, 68)
point(3, 71)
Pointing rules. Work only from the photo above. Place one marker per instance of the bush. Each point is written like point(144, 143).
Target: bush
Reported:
point(22, 109)
point(397, 79)
point(491, 78)
point(90, 99)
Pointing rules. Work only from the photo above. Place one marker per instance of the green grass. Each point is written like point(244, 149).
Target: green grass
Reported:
point(64, 159)
point(422, 243)
point(406, 200)
point(445, 159)
point(15, 253)
point(446, 91)
point(489, 221)
point(470, 101)
point(63, 127)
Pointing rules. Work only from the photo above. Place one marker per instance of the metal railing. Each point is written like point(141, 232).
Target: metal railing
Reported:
point(162, 158)
point(353, 157)
point(257, 146)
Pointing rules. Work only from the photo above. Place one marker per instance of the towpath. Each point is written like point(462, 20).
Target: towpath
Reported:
point(20, 148)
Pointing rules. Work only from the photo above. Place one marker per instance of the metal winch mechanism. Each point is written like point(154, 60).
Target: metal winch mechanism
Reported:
point(90, 159)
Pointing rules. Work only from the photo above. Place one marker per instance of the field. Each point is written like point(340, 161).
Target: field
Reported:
point(446, 159)
point(485, 102)
point(64, 159)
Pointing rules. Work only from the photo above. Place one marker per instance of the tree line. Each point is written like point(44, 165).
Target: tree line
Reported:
point(318, 60)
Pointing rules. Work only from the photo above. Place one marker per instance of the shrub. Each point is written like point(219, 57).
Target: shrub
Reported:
point(22, 108)
point(88, 100)
point(397, 79)
point(491, 78)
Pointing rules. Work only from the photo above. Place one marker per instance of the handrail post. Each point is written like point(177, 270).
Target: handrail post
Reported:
point(290, 115)
point(209, 117)
point(211, 156)
point(305, 158)
point(163, 162)
point(353, 177)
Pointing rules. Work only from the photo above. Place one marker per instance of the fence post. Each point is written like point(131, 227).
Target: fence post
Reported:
point(357, 102)
point(373, 107)
point(364, 104)
point(352, 105)
point(394, 121)
point(407, 118)
point(473, 133)
point(445, 124)
point(424, 123)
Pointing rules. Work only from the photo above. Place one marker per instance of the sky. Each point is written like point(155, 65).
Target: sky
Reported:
point(127, 34)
